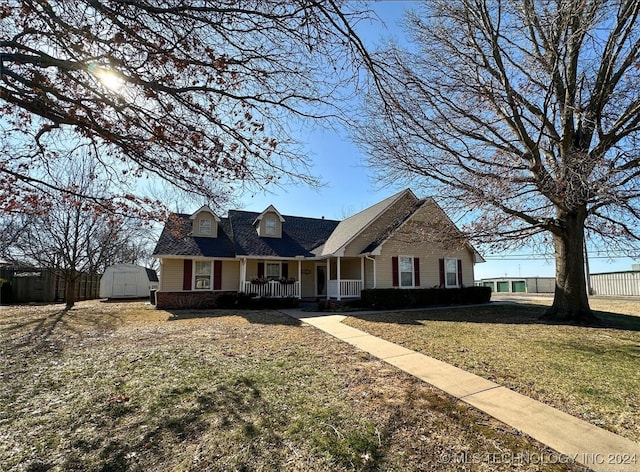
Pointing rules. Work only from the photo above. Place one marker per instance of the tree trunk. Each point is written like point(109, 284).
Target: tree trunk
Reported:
point(571, 301)
point(71, 279)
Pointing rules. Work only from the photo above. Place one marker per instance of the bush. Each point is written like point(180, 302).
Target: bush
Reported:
point(386, 298)
point(6, 294)
point(227, 300)
point(250, 302)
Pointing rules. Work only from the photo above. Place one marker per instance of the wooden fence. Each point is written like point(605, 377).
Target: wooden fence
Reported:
point(47, 286)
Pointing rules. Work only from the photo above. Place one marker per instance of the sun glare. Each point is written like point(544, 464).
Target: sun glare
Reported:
point(110, 79)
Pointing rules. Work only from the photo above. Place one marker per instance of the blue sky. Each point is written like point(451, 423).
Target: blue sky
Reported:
point(350, 186)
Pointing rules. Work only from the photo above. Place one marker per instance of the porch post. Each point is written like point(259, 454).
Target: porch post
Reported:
point(375, 274)
point(243, 273)
point(338, 274)
point(300, 278)
point(328, 276)
point(362, 272)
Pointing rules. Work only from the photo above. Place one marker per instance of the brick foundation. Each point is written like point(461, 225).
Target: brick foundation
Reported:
point(186, 300)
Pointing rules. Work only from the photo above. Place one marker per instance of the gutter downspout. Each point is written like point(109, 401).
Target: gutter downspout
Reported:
point(375, 281)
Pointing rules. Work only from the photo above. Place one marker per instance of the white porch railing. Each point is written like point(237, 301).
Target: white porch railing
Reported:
point(273, 289)
point(348, 288)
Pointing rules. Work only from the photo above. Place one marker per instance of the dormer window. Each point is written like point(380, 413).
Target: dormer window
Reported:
point(205, 226)
point(205, 223)
point(270, 226)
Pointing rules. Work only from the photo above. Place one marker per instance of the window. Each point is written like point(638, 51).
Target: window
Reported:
point(451, 272)
point(203, 275)
point(273, 271)
point(405, 268)
point(205, 226)
point(270, 226)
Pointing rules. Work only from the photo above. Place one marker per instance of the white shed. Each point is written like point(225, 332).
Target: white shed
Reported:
point(127, 281)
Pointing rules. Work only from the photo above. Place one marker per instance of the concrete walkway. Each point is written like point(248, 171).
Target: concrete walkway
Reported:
point(594, 447)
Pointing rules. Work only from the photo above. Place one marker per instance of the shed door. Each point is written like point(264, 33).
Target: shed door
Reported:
point(519, 286)
point(503, 286)
point(125, 284)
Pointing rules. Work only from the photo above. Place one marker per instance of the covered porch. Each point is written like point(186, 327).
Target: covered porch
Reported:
point(275, 278)
point(272, 288)
point(347, 276)
point(328, 278)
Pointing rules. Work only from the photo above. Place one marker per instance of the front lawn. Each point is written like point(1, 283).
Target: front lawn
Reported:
point(124, 387)
point(592, 373)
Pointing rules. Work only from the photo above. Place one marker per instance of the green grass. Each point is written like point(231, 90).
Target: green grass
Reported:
point(587, 372)
point(121, 387)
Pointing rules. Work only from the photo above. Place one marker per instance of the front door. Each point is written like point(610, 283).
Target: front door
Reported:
point(321, 280)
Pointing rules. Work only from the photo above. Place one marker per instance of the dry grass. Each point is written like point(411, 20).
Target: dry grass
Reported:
point(591, 373)
point(123, 387)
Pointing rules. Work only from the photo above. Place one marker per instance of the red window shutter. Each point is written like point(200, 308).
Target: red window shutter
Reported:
point(285, 270)
point(186, 274)
point(442, 279)
point(394, 271)
point(260, 269)
point(460, 272)
point(217, 275)
point(416, 271)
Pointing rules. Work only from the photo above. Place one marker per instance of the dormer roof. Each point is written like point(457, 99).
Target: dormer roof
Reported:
point(269, 209)
point(204, 208)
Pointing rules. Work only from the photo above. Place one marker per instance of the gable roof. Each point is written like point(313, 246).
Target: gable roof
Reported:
point(348, 229)
point(195, 214)
point(269, 209)
point(402, 218)
point(397, 222)
point(301, 237)
point(238, 237)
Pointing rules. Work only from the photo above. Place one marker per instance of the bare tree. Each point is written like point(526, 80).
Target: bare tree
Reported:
point(71, 236)
point(524, 112)
point(189, 92)
point(10, 228)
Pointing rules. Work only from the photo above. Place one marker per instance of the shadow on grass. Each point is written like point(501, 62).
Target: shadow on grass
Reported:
point(37, 330)
point(179, 416)
point(266, 317)
point(519, 313)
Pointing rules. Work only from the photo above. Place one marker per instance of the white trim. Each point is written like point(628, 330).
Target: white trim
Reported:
point(446, 282)
point(375, 276)
point(209, 228)
point(195, 258)
point(243, 274)
point(338, 278)
point(269, 209)
point(206, 208)
point(270, 229)
point(193, 276)
point(413, 272)
point(278, 263)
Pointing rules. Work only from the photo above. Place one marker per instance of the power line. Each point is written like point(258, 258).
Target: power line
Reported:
point(544, 257)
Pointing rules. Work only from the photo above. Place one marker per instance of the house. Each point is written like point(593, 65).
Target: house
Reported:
point(402, 241)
